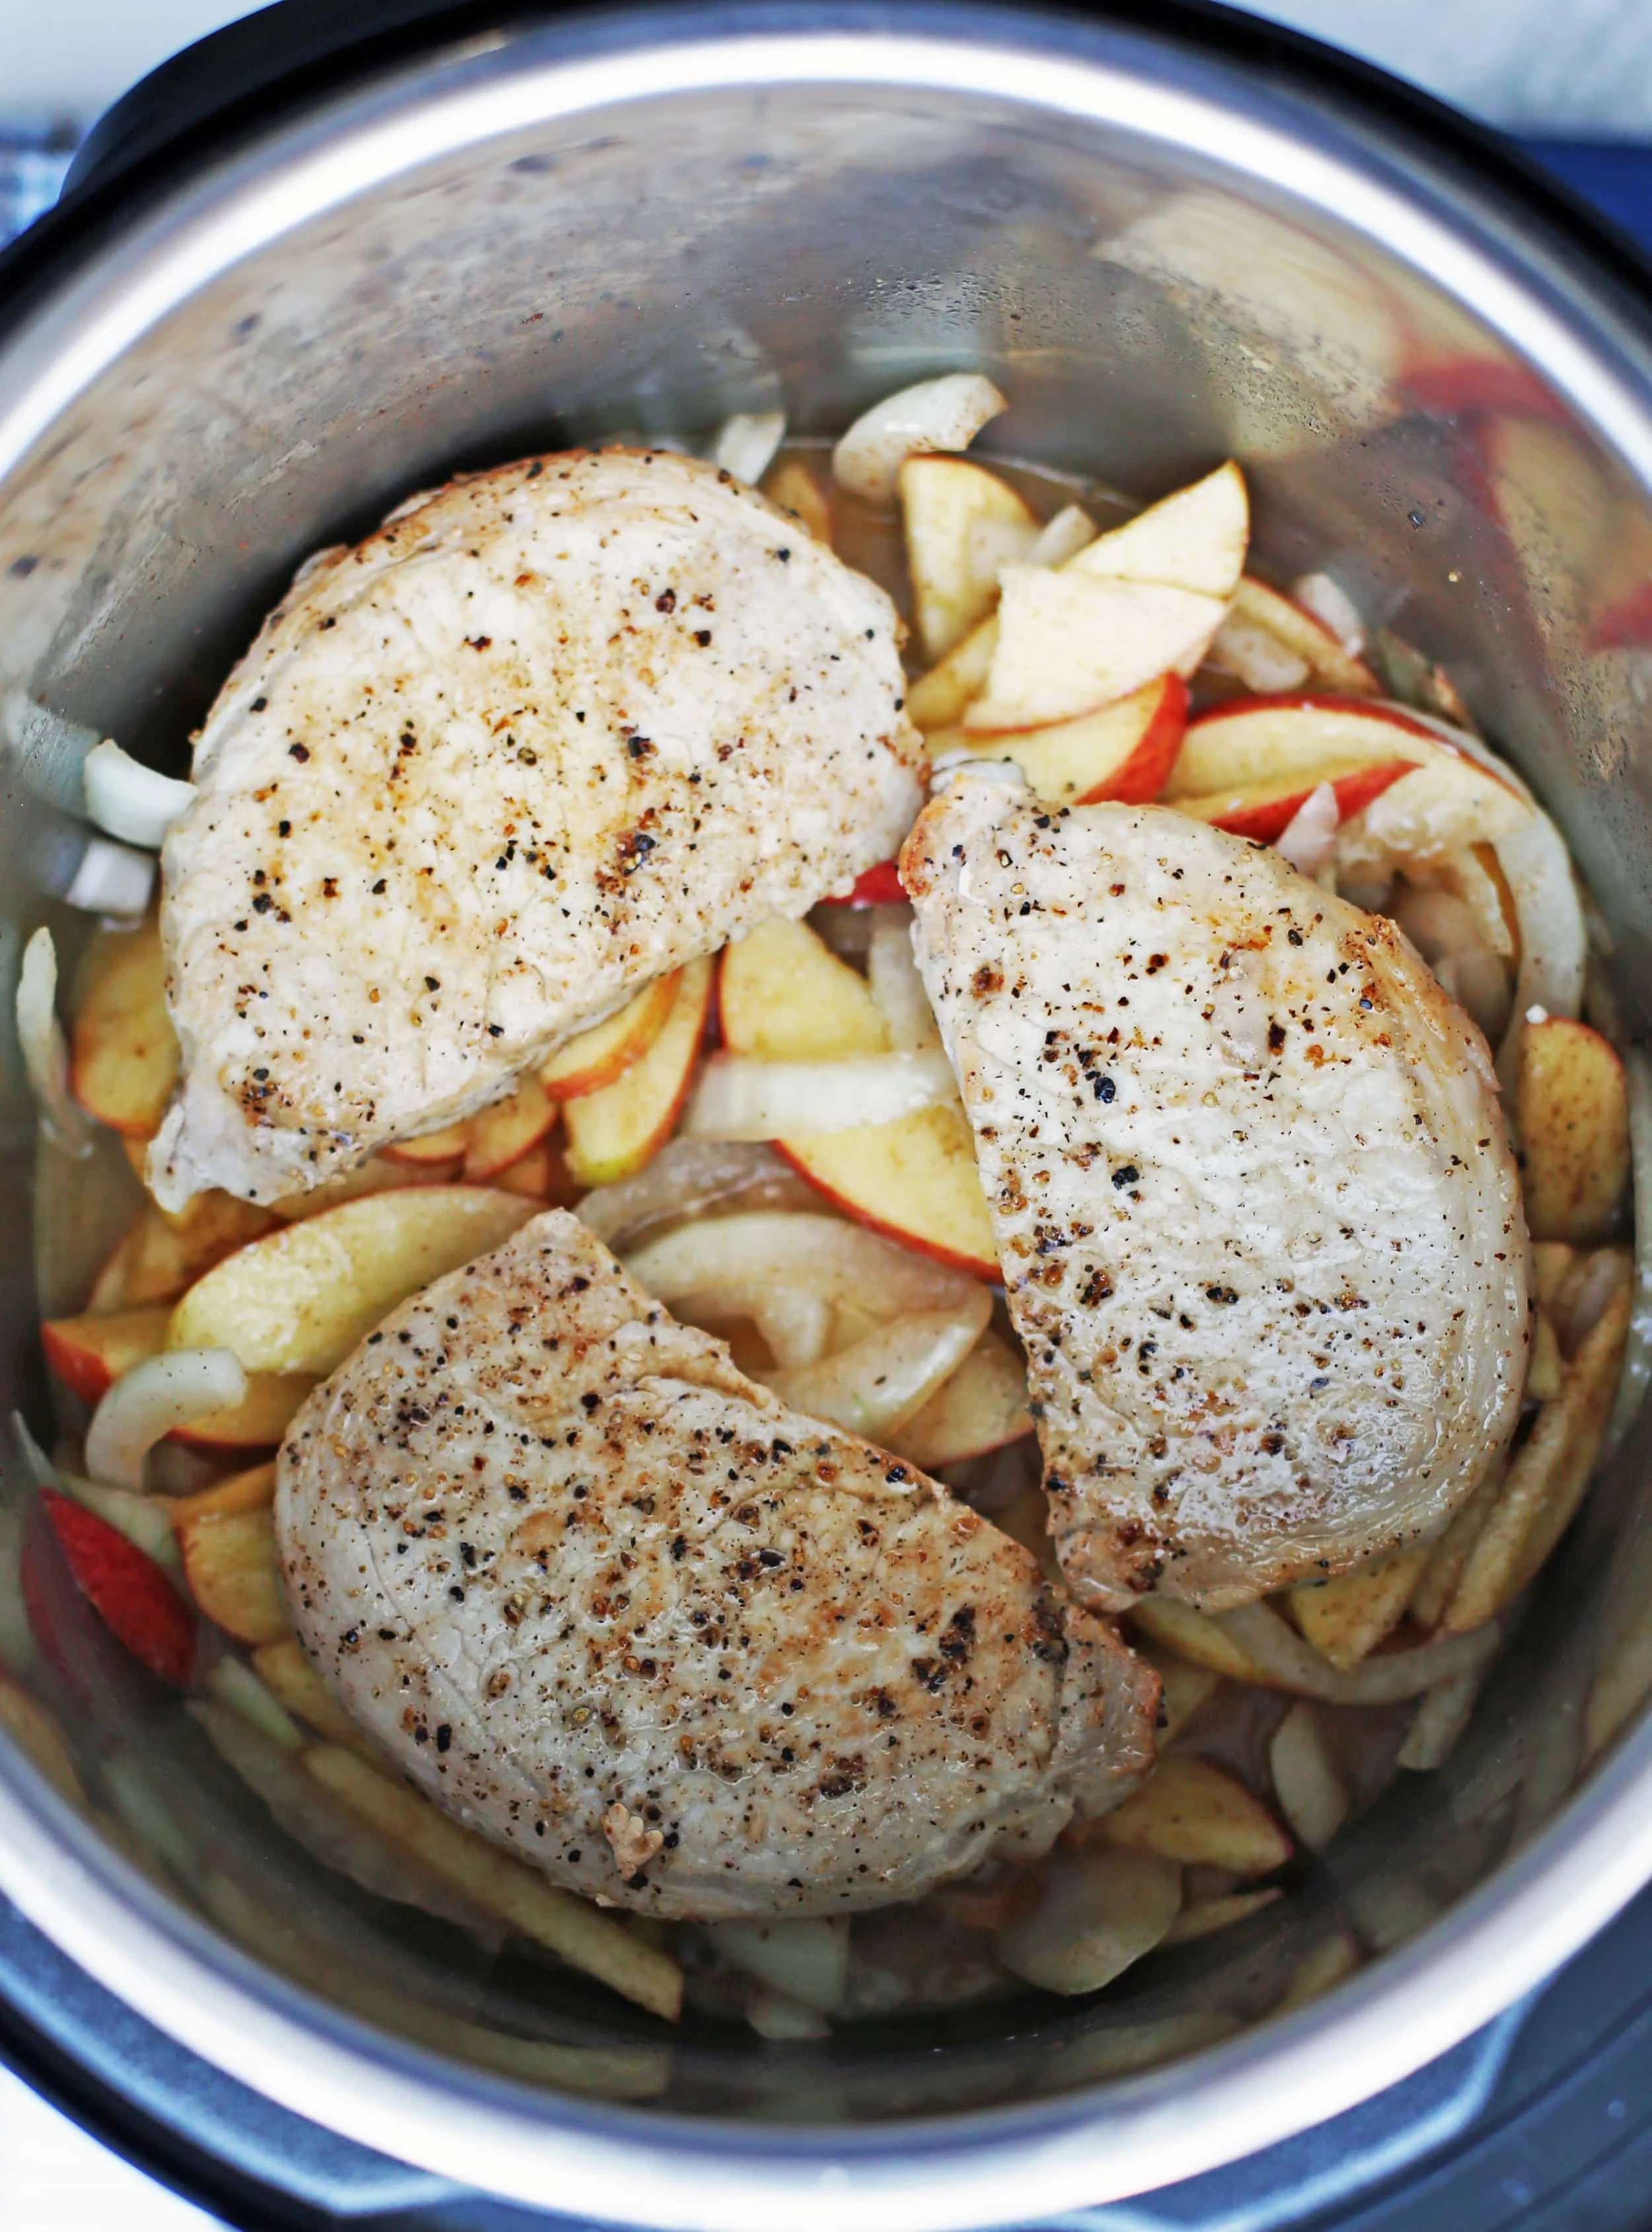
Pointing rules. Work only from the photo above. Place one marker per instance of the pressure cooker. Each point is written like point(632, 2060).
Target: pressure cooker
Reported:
point(333, 261)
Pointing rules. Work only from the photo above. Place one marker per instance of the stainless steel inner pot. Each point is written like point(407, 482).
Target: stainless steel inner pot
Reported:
point(1164, 254)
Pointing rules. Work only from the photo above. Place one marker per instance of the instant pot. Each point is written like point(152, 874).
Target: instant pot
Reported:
point(319, 263)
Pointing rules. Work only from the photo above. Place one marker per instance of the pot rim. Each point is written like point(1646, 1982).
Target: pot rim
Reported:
point(979, 2167)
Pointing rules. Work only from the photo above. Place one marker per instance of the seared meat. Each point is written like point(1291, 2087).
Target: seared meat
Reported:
point(1260, 1224)
point(548, 734)
point(618, 1608)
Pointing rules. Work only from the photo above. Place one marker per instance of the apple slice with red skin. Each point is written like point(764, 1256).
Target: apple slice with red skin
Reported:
point(597, 1056)
point(450, 1145)
point(506, 1130)
point(1252, 740)
point(783, 996)
point(614, 1133)
point(1124, 752)
point(879, 886)
point(89, 1353)
point(133, 1598)
point(1265, 811)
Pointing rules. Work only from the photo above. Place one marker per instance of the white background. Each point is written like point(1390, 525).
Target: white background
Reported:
point(1568, 68)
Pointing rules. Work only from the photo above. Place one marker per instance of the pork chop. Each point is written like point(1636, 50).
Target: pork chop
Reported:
point(1260, 1224)
point(614, 1605)
point(548, 734)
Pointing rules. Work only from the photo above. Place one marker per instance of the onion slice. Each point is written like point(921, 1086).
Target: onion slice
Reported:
point(1072, 530)
point(739, 1261)
point(1554, 945)
point(746, 443)
point(739, 1098)
point(936, 414)
point(45, 1051)
point(1329, 601)
point(877, 1384)
point(130, 801)
point(145, 1404)
point(113, 880)
point(685, 1179)
point(1281, 1659)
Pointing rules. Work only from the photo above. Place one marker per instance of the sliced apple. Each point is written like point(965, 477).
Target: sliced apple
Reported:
point(506, 1130)
point(299, 1300)
point(138, 1603)
point(1306, 636)
point(377, 1175)
point(1572, 1106)
point(613, 1133)
point(962, 523)
point(257, 1421)
point(1069, 643)
point(542, 1173)
point(1264, 811)
point(793, 484)
point(447, 1146)
point(1195, 539)
point(89, 1354)
point(982, 1407)
point(596, 1057)
point(937, 700)
point(233, 1572)
point(1445, 800)
point(123, 1060)
point(1124, 751)
point(1255, 740)
point(783, 996)
point(161, 1253)
point(252, 1490)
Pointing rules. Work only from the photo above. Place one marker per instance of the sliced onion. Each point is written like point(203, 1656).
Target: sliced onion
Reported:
point(1637, 1352)
point(1254, 655)
point(1309, 1790)
point(806, 1959)
point(131, 801)
point(1309, 839)
point(875, 1386)
point(45, 1051)
point(1447, 932)
point(1329, 601)
point(796, 1326)
point(111, 880)
point(746, 443)
point(233, 1683)
point(1072, 530)
point(1282, 1659)
point(937, 414)
point(739, 1098)
point(739, 1260)
point(688, 1176)
point(145, 1404)
point(1439, 1720)
point(898, 991)
point(1554, 947)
